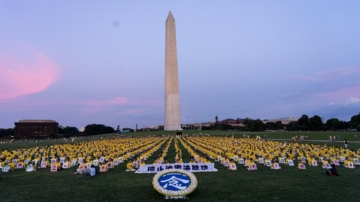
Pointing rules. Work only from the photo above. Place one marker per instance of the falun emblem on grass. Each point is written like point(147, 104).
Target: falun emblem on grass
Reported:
point(174, 184)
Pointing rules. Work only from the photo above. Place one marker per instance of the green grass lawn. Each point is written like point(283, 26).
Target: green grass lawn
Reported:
point(287, 184)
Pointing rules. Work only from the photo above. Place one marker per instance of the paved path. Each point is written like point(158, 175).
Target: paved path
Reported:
point(326, 141)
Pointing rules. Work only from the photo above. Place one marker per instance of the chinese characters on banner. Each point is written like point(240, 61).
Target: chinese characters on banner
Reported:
point(191, 167)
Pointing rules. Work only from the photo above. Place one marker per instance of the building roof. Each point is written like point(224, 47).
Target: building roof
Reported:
point(36, 121)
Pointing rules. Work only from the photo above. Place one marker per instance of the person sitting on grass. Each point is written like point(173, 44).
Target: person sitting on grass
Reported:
point(250, 163)
point(332, 171)
point(58, 165)
point(346, 162)
point(231, 164)
point(12, 165)
point(324, 162)
point(129, 166)
point(92, 172)
point(81, 170)
point(2, 163)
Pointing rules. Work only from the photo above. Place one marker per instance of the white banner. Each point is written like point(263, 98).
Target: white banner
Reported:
point(190, 167)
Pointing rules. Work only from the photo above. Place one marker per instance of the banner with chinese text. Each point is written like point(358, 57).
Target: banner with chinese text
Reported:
point(191, 167)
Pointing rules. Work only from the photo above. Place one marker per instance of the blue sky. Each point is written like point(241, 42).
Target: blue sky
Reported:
point(83, 62)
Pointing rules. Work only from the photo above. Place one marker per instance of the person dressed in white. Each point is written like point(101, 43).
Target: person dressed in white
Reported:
point(345, 143)
point(92, 171)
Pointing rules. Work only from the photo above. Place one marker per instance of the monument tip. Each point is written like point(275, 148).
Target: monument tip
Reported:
point(170, 16)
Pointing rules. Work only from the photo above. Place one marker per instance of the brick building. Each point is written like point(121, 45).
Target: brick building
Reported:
point(232, 121)
point(35, 128)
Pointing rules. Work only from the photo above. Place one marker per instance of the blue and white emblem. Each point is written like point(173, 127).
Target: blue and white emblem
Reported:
point(174, 181)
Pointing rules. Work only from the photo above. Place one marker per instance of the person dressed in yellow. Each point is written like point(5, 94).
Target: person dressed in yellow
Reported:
point(58, 165)
point(250, 163)
point(192, 160)
point(324, 162)
point(2, 164)
point(12, 166)
point(178, 160)
point(130, 166)
point(301, 166)
point(103, 167)
point(310, 160)
point(346, 162)
point(232, 165)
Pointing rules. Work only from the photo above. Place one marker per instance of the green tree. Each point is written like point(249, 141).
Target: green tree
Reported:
point(254, 125)
point(270, 126)
point(316, 123)
point(356, 119)
point(259, 125)
point(68, 130)
point(332, 124)
point(279, 125)
point(6, 132)
point(292, 126)
point(96, 129)
point(128, 129)
point(304, 120)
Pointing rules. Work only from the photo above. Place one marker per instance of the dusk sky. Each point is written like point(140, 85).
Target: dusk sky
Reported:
point(83, 62)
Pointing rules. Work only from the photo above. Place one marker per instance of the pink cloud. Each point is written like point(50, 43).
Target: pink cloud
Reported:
point(121, 101)
point(115, 101)
point(353, 100)
point(94, 106)
point(20, 77)
point(136, 111)
point(329, 75)
point(342, 95)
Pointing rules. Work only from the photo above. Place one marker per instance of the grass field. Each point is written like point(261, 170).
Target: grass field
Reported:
point(287, 184)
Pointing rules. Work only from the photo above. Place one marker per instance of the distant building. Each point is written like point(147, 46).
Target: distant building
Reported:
point(35, 128)
point(233, 121)
point(284, 121)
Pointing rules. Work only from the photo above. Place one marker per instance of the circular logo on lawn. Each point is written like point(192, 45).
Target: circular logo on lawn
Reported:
point(29, 168)
point(6, 168)
point(175, 182)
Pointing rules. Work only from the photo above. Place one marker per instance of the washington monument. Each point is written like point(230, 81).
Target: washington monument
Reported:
point(172, 102)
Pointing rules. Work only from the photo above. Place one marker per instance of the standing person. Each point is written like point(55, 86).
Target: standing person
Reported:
point(338, 137)
point(265, 136)
point(345, 143)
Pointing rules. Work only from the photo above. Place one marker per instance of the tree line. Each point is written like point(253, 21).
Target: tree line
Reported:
point(91, 129)
point(304, 123)
point(68, 131)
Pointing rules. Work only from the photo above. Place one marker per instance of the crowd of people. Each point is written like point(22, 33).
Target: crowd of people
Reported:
point(269, 153)
point(107, 153)
point(101, 153)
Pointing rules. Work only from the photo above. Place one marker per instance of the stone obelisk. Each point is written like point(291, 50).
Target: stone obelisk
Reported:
point(172, 102)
